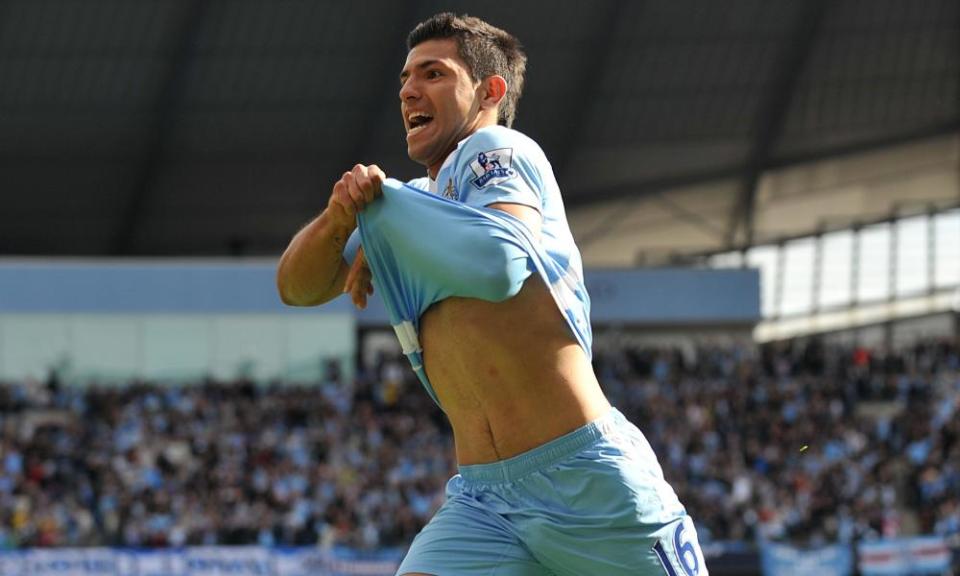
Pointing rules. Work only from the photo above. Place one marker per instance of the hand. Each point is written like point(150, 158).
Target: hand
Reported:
point(359, 282)
point(353, 192)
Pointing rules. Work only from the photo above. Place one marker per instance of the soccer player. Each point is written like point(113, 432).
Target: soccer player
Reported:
point(485, 285)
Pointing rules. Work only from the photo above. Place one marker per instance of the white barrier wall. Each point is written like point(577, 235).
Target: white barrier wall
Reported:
point(111, 320)
point(173, 346)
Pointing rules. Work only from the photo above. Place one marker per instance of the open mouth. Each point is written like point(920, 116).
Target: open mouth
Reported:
point(417, 121)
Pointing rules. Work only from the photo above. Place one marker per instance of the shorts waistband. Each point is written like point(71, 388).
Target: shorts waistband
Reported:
point(545, 455)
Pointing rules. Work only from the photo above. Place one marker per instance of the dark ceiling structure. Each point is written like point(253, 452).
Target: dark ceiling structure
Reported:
point(217, 127)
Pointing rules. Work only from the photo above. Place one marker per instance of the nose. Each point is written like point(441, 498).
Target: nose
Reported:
point(408, 90)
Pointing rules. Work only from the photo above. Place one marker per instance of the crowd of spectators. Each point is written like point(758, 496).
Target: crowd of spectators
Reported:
point(795, 442)
point(340, 462)
point(801, 442)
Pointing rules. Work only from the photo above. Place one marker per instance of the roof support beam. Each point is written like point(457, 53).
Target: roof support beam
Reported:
point(619, 214)
point(585, 197)
point(172, 86)
point(596, 61)
point(772, 114)
point(386, 96)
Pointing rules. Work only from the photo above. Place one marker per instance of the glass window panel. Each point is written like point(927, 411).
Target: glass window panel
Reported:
point(798, 276)
point(836, 254)
point(726, 260)
point(947, 259)
point(873, 280)
point(765, 259)
point(912, 260)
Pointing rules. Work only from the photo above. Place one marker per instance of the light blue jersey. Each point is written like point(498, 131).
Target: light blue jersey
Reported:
point(591, 502)
point(500, 165)
point(425, 242)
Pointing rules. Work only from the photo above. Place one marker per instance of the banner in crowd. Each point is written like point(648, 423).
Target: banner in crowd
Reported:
point(904, 557)
point(200, 561)
point(784, 560)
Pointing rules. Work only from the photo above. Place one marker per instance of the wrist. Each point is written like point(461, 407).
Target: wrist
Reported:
point(337, 221)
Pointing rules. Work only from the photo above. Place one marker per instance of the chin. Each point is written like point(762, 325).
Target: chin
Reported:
point(413, 155)
point(418, 154)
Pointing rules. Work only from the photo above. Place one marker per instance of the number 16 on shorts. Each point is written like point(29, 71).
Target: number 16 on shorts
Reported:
point(679, 550)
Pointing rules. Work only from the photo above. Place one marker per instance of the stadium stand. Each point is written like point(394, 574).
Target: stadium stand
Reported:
point(792, 443)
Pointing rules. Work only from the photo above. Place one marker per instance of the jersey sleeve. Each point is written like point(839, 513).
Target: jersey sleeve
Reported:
point(500, 166)
point(352, 247)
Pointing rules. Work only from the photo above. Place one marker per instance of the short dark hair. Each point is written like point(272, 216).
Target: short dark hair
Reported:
point(486, 49)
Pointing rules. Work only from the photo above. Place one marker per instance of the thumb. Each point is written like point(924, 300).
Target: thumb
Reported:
point(359, 262)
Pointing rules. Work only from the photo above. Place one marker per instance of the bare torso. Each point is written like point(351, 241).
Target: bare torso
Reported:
point(509, 375)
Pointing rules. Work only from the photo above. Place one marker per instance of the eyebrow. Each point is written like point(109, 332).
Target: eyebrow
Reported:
point(425, 64)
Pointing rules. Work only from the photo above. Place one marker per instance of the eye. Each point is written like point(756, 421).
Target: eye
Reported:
point(431, 74)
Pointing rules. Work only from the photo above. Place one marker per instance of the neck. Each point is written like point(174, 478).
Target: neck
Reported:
point(434, 168)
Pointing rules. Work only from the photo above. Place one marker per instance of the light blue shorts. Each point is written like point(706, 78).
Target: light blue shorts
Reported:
point(590, 503)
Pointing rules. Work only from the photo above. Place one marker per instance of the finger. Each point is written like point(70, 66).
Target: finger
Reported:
point(364, 183)
point(355, 193)
point(337, 198)
point(351, 279)
point(377, 177)
point(358, 264)
point(358, 292)
point(365, 285)
point(341, 192)
point(359, 297)
point(364, 280)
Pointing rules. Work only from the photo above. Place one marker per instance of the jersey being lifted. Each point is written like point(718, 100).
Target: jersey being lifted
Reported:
point(429, 240)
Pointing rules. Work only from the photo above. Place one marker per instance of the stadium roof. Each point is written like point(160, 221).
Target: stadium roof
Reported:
point(214, 127)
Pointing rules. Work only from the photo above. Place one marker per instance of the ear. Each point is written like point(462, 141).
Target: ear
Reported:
point(493, 89)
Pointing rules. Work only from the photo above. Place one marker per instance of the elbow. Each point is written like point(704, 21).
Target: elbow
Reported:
point(291, 298)
point(286, 295)
point(283, 285)
point(290, 295)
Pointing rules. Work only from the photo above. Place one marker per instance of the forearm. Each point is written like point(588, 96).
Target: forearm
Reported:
point(312, 270)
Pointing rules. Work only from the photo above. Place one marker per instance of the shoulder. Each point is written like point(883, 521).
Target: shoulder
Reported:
point(501, 137)
point(495, 151)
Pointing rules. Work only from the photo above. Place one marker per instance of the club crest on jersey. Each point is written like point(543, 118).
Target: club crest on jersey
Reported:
point(450, 192)
point(493, 167)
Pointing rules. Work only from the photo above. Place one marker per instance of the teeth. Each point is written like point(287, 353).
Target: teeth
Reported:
point(417, 116)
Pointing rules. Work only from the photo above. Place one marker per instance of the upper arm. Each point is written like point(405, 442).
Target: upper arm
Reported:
point(311, 270)
point(501, 167)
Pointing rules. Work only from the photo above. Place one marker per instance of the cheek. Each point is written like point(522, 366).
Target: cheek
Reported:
point(466, 100)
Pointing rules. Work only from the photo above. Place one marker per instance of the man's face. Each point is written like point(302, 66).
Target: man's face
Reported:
point(439, 102)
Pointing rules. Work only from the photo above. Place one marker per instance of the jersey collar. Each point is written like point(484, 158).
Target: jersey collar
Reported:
point(449, 160)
